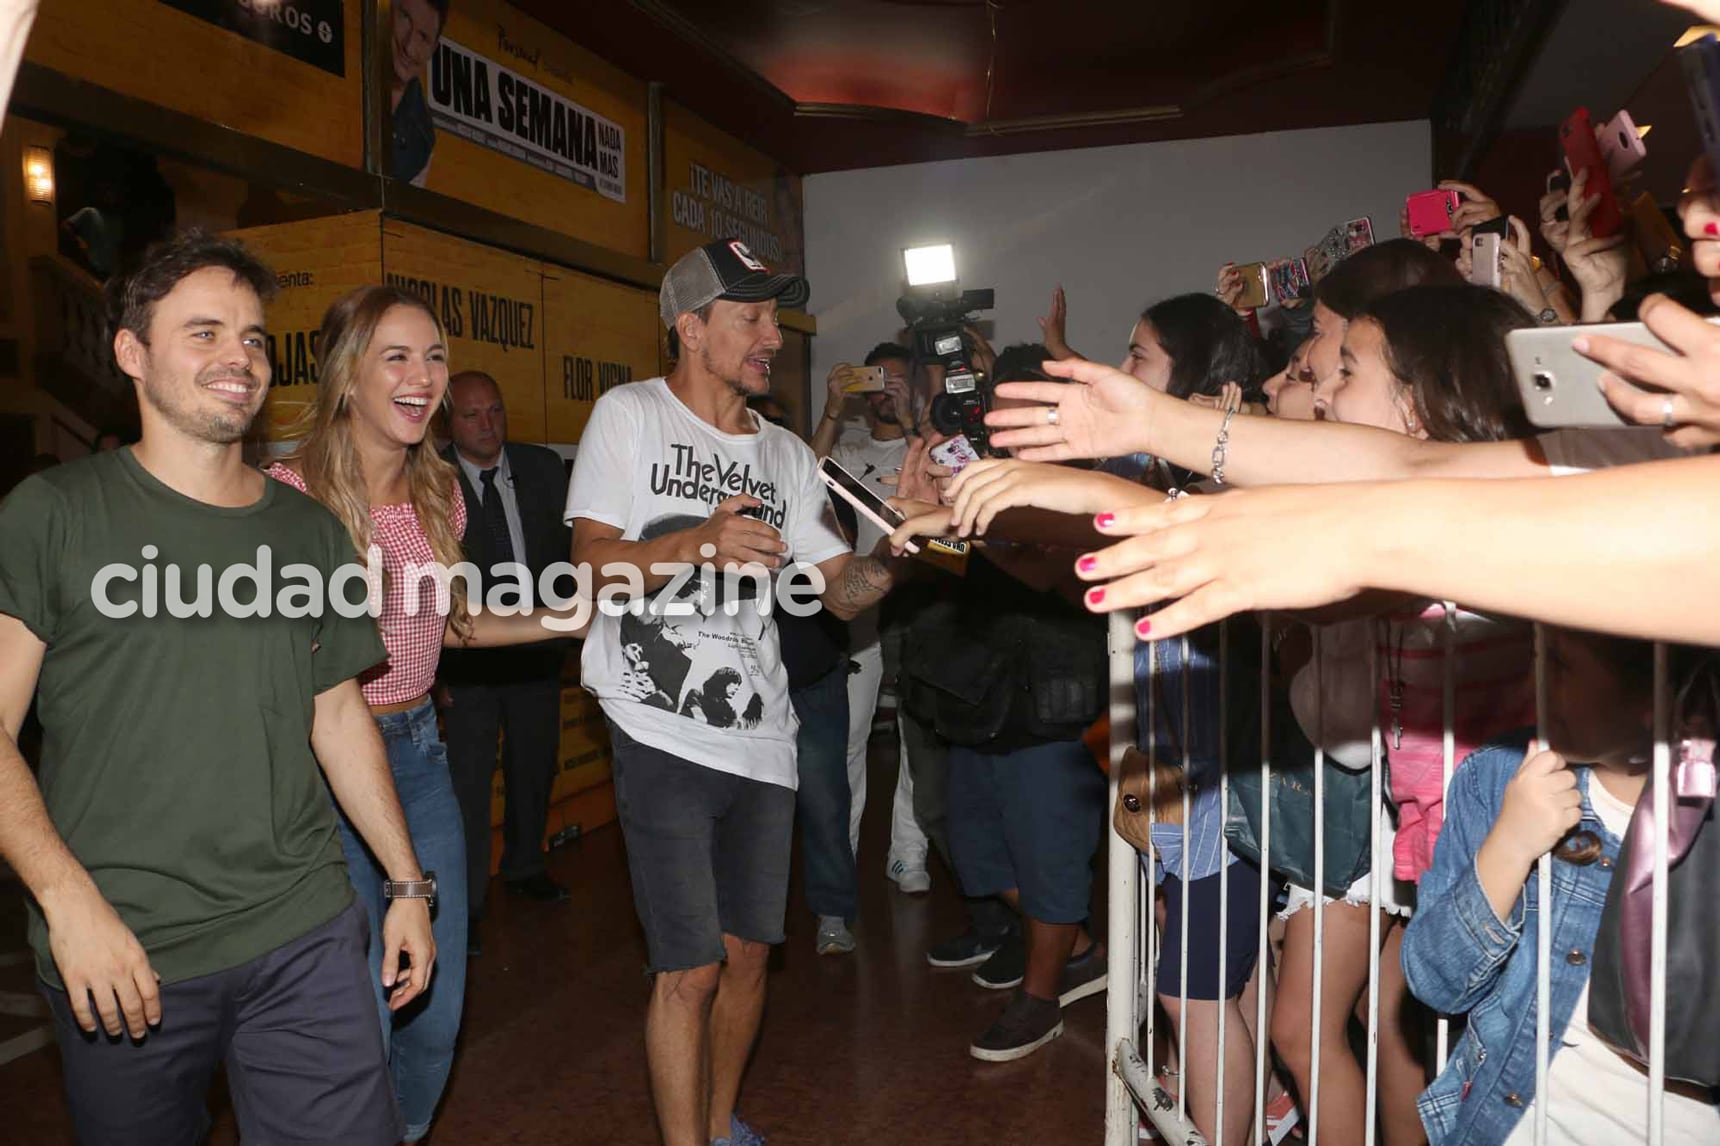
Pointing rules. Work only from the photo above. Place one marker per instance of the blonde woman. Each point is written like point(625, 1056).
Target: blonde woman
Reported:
point(365, 453)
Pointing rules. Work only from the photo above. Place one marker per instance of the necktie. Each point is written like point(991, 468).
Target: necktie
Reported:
point(496, 518)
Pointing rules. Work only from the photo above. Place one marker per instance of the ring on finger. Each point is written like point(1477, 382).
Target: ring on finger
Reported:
point(1666, 422)
point(1052, 415)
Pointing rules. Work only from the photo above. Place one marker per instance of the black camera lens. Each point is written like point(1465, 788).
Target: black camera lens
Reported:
point(1543, 382)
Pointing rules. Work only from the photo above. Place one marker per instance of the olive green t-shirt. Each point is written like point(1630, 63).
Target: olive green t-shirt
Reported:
point(176, 760)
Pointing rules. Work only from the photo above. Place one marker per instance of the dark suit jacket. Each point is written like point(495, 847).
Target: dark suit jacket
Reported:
point(540, 492)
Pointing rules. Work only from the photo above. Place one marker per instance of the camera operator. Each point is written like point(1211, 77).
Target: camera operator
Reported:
point(875, 459)
point(1011, 671)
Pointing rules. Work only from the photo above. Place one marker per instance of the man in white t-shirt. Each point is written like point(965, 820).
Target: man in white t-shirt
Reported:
point(677, 474)
point(875, 458)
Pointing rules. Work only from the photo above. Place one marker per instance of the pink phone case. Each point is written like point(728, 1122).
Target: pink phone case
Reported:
point(862, 508)
point(1622, 146)
point(1430, 212)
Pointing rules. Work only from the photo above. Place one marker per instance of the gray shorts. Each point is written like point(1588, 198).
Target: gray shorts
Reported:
point(708, 853)
point(297, 1029)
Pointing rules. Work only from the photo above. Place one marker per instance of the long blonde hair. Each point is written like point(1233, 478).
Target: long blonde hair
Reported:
point(329, 462)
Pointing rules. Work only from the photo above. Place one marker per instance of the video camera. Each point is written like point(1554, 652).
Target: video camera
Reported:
point(936, 310)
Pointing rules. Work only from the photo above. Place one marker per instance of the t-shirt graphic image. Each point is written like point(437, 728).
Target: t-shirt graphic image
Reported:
point(660, 644)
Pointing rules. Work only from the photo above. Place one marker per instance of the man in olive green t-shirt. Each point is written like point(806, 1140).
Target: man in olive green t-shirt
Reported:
point(187, 881)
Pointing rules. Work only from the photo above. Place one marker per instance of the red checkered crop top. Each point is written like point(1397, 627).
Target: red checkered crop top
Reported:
point(414, 642)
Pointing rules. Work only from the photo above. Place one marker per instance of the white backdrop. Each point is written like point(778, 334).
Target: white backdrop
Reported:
point(1119, 227)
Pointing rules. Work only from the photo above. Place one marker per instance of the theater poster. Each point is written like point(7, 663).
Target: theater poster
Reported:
point(716, 187)
point(488, 105)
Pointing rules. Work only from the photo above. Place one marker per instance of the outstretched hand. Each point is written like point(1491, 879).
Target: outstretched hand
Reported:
point(1287, 547)
point(1100, 413)
point(1054, 326)
point(1678, 390)
point(986, 488)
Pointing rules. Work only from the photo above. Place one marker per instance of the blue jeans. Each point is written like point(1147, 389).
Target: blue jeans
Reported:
point(823, 799)
point(420, 1039)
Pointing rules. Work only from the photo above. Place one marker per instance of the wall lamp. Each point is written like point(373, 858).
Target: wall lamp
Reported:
point(39, 174)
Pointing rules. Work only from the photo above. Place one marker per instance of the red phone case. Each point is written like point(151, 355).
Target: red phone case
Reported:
point(1583, 153)
point(1430, 212)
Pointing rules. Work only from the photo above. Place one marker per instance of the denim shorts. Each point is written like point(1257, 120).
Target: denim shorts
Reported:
point(1241, 934)
point(708, 852)
point(1030, 821)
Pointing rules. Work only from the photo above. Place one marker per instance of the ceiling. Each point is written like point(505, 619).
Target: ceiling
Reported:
point(832, 84)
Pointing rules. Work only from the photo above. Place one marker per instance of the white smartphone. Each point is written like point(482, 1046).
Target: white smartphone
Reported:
point(1559, 386)
point(865, 501)
point(1485, 268)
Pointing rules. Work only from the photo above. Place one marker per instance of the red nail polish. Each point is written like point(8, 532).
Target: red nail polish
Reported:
point(1086, 564)
point(1096, 597)
point(1143, 628)
point(1104, 520)
point(1711, 229)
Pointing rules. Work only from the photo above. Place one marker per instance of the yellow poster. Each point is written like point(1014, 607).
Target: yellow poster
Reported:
point(315, 262)
point(490, 302)
point(597, 335)
point(490, 106)
point(716, 187)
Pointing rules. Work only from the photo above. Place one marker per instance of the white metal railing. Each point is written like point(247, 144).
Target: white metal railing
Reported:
point(1134, 1090)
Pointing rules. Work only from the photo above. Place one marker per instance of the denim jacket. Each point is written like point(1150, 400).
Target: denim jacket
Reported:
point(1460, 958)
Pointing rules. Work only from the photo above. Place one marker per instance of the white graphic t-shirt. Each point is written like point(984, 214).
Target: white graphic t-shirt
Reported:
point(706, 685)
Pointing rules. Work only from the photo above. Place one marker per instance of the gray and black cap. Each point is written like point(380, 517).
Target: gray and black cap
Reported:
point(727, 270)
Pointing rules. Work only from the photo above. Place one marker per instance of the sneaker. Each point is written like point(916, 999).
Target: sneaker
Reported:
point(1006, 967)
point(912, 879)
point(1082, 977)
point(1025, 1025)
point(969, 949)
point(834, 938)
point(1282, 1118)
point(740, 1134)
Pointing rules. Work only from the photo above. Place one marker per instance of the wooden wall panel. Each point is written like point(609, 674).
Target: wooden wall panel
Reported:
point(597, 335)
point(492, 305)
point(150, 51)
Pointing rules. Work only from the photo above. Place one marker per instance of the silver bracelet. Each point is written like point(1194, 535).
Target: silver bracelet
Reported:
point(1220, 446)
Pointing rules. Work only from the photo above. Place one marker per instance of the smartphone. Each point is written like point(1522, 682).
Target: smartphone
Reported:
point(863, 498)
point(1287, 280)
point(954, 454)
point(1500, 226)
point(1559, 386)
point(1583, 153)
point(1657, 241)
point(1254, 290)
point(1430, 212)
point(1701, 62)
point(862, 379)
point(1485, 268)
point(1622, 146)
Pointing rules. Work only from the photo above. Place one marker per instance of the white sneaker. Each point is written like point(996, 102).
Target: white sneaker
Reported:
point(913, 879)
point(834, 938)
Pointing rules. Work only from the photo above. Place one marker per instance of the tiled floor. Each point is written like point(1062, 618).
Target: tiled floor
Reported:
point(866, 1048)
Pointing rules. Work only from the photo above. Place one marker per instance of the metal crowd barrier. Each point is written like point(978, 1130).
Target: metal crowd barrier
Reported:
point(1134, 1092)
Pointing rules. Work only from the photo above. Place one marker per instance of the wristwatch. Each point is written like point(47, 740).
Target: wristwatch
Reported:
point(1548, 317)
point(425, 888)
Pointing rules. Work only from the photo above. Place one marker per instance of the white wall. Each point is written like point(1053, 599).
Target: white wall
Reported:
point(1119, 227)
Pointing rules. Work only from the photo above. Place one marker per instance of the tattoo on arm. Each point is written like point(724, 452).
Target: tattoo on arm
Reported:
point(863, 583)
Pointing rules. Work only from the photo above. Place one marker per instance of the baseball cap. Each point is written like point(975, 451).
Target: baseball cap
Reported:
point(724, 269)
